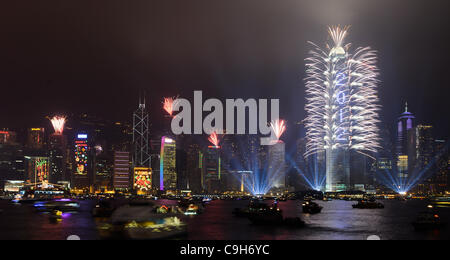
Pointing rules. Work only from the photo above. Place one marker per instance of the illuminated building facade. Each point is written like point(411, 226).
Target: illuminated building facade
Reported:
point(141, 155)
point(142, 179)
point(35, 138)
point(384, 164)
point(424, 146)
point(12, 163)
point(212, 170)
point(441, 178)
point(194, 167)
point(405, 147)
point(121, 178)
point(342, 106)
point(167, 168)
point(38, 169)
point(82, 175)
point(58, 158)
point(7, 137)
point(277, 165)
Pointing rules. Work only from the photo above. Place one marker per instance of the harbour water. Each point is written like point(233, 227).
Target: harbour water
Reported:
point(338, 221)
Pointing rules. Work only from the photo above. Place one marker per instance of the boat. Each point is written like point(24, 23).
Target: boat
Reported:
point(282, 199)
point(64, 205)
point(144, 221)
point(368, 204)
point(267, 216)
point(194, 209)
point(273, 216)
point(56, 215)
point(440, 201)
point(428, 220)
point(254, 206)
point(103, 209)
point(311, 207)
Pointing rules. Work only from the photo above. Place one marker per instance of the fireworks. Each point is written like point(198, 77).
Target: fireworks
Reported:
point(342, 101)
point(278, 127)
point(58, 123)
point(168, 105)
point(214, 139)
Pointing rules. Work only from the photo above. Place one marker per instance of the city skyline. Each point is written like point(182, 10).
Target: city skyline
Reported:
point(243, 121)
point(64, 84)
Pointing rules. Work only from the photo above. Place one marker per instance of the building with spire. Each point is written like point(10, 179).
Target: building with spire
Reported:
point(405, 145)
point(141, 159)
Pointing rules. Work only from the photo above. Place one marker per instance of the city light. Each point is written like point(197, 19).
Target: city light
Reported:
point(342, 100)
point(58, 123)
point(341, 105)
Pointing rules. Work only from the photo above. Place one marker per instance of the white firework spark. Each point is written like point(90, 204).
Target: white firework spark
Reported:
point(342, 100)
point(58, 123)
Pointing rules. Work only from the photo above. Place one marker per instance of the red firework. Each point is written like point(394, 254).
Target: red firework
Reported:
point(214, 139)
point(168, 105)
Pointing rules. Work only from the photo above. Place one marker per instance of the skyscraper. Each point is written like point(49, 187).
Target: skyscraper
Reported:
point(342, 106)
point(277, 165)
point(141, 149)
point(167, 169)
point(406, 148)
point(212, 169)
point(58, 158)
point(424, 146)
point(141, 155)
point(58, 151)
point(82, 175)
point(35, 138)
point(121, 178)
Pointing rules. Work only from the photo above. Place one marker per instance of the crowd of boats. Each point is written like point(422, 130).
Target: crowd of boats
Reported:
point(147, 218)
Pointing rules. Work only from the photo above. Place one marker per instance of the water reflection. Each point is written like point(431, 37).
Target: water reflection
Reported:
point(338, 220)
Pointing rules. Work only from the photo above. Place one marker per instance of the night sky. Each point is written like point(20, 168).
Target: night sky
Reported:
point(94, 56)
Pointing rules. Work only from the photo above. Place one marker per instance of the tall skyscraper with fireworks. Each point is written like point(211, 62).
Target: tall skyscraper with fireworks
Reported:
point(342, 105)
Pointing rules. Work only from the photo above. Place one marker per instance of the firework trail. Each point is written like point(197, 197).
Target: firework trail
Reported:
point(168, 105)
point(214, 139)
point(342, 99)
point(278, 127)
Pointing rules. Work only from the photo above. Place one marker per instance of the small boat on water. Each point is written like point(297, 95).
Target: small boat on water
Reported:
point(311, 207)
point(267, 216)
point(56, 216)
point(254, 206)
point(194, 209)
point(273, 216)
point(428, 220)
point(440, 201)
point(368, 204)
point(103, 209)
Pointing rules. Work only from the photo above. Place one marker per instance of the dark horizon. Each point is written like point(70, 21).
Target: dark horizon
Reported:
point(61, 57)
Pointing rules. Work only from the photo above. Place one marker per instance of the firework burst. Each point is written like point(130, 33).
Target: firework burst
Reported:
point(342, 100)
point(214, 139)
point(278, 127)
point(168, 105)
point(58, 123)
